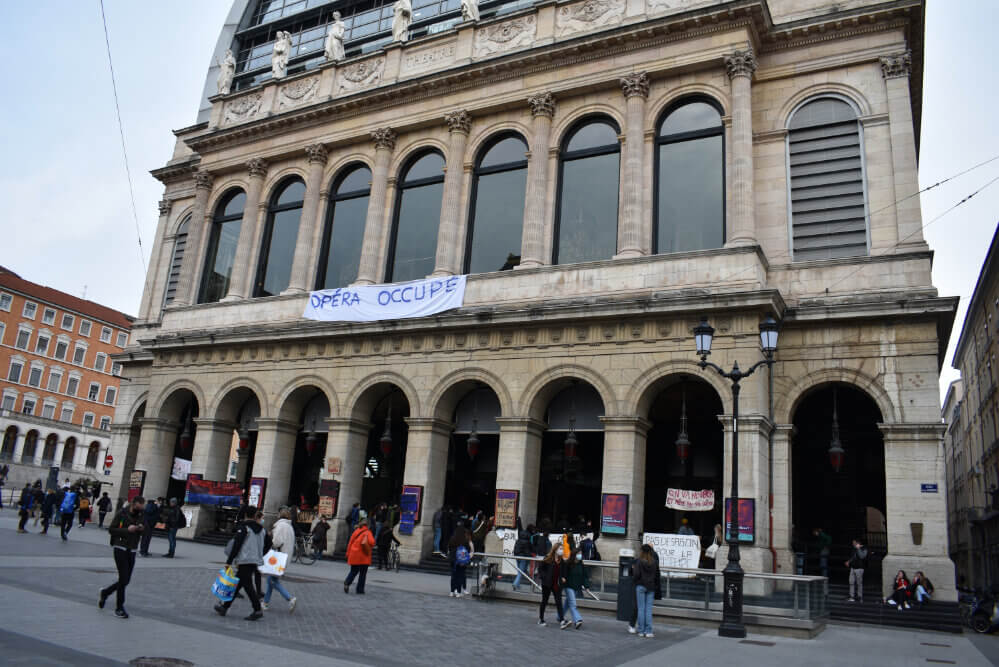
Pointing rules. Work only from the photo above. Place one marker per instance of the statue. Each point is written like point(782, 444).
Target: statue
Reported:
point(227, 70)
point(470, 10)
point(400, 22)
point(334, 40)
point(279, 58)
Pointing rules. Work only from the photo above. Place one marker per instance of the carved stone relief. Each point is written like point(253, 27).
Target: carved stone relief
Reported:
point(506, 36)
point(298, 92)
point(242, 109)
point(364, 74)
point(668, 6)
point(588, 15)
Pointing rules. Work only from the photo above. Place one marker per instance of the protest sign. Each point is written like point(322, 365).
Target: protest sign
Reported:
point(370, 303)
point(675, 550)
point(690, 501)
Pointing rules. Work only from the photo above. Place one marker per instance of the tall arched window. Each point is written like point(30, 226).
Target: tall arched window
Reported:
point(179, 245)
point(589, 171)
point(222, 247)
point(690, 173)
point(344, 232)
point(277, 248)
point(30, 443)
point(828, 202)
point(92, 453)
point(413, 246)
point(497, 218)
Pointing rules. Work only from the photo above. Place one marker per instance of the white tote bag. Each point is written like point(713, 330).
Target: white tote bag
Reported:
point(711, 551)
point(274, 563)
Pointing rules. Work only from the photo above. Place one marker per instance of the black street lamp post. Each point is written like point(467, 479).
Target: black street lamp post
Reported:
point(733, 575)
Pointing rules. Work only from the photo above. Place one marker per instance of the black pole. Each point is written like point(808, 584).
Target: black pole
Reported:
point(733, 575)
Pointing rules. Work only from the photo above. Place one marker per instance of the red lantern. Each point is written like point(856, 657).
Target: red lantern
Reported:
point(570, 444)
point(244, 443)
point(473, 445)
point(682, 447)
point(185, 439)
point(310, 442)
point(836, 456)
point(386, 439)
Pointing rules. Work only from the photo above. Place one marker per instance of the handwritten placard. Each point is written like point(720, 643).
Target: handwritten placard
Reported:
point(675, 550)
point(690, 501)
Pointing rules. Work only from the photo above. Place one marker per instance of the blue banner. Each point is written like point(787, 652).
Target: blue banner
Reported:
point(370, 303)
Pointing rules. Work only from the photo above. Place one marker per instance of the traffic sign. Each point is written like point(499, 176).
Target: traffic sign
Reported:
point(108, 461)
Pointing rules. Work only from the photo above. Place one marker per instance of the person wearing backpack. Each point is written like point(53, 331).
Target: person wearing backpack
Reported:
point(246, 551)
point(175, 520)
point(103, 507)
point(84, 513)
point(857, 564)
point(125, 530)
point(460, 553)
point(551, 572)
point(359, 549)
point(522, 548)
point(24, 504)
point(70, 500)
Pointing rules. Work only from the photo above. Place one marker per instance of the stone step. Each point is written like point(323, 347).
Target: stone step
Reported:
point(939, 616)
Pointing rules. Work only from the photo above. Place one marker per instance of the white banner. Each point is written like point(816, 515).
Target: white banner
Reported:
point(370, 303)
point(181, 469)
point(690, 501)
point(675, 550)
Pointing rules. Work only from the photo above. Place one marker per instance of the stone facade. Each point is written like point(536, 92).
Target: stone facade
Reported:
point(621, 325)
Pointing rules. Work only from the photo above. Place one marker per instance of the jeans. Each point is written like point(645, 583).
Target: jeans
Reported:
point(247, 581)
point(147, 536)
point(24, 519)
point(124, 560)
point(644, 597)
point(356, 570)
point(857, 584)
point(172, 537)
point(570, 605)
point(100, 517)
point(437, 538)
point(824, 563)
point(383, 554)
point(557, 594)
point(67, 524)
point(921, 594)
point(457, 577)
point(521, 568)
point(274, 583)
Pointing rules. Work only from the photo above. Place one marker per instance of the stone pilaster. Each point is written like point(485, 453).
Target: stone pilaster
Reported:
point(189, 281)
point(533, 243)
point(459, 124)
point(244, 264)
point(426, 465)
point(310, 230)
point(18, 448)
point(212, 441)
point(60, 448)
point(518, 467)
point(155, 455)
point(742, 221)
point(347, 440)
point(371, 265)
point(635, 88)
point(624, 472)
point(896, 70)
point(782, 512)
point(156, 265)
point(917, 520)
point(273, 458)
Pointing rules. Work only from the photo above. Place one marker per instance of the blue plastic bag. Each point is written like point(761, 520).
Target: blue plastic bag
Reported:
point(225, 584)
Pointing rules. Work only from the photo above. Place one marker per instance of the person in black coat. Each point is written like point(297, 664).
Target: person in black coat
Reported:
point(551, 576)
point(384, 542)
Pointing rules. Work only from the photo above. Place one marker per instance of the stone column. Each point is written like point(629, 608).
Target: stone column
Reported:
point(124, 449)
point(155, 264)
point(189, 281)
point(155, 454)
point(310, 230)
point(742, 221)
point(426, 465)
point(518, 466)
point(18, 448)
point(347, 439)
point(782, 512)
point(904, 162)
point(533, 243)
point(624, 472)
point(371, 265)
point(60, 448)
point(244, 264)
point(917, 519)
point(448, 243)
point(212, 440)
point(273, 459)
point(630, 230)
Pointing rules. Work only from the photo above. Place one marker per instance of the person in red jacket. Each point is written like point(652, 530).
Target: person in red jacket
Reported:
point(359, 548)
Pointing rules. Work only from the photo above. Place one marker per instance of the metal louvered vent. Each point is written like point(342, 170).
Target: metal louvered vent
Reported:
point(828, 216)
point(178, 257)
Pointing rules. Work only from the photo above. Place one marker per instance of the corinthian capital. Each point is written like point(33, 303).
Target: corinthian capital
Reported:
point(165, 206)
point(316, 153)
point(897, 65)
point(384, 137)
point(458, 121)
point(257, 167)
point(203, 180)
point(542, 105)
point(741, 63)
point(636, 83)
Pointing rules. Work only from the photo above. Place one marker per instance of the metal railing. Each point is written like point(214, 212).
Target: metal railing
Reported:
point(778, 596)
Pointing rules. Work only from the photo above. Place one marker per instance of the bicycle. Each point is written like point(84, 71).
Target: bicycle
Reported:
point(393, 563)
point(303, 550)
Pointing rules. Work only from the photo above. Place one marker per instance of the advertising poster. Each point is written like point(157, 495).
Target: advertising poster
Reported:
point(329, 488)
point(258, 486)
point(136, 482)
point(409, 503)
point(746, 520)
point(506, 508)
point(614, 514)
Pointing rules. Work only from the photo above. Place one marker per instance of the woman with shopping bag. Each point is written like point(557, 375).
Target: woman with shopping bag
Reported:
point(283, 536)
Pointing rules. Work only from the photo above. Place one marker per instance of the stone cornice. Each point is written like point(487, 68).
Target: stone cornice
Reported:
point(431, 424)
point(177, 172)
point(349, 425)
point(529, 424)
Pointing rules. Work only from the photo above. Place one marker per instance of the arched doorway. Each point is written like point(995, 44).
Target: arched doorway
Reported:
point(181, 409)
point(48, 452)
point(473, 453)
point(9, 442)
point(572, 458)
point(238, 412)
point(689, 405)
point(385, 454)
point(30, 444)
point(846, 503)
point(310, 450)
point(93, 453)
point(68, 452)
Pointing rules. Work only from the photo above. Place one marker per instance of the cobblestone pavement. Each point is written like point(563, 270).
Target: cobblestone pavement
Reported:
point(50, 590)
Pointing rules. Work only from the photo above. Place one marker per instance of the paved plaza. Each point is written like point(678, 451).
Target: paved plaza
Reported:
point(50, 617)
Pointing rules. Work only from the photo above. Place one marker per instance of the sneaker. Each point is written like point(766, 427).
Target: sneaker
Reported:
point(542, 623)
point(168, 555)
point(850, 600)
point(346, 588)
point(579, 624)
point(457, 595)
point(102, 600)
point(649, 635)
point(641, 634)
point(220, 610)
point(265, 605)
point(631, 630)
point(292, 603)
point(450, 594)
point(563, 624)
point(121, 613)
point(255, 616)
point(891, 602)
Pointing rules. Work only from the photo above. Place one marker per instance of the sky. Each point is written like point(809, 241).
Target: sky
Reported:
point(68, 220)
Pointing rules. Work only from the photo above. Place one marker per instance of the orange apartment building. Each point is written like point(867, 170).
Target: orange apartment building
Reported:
point(58, 383)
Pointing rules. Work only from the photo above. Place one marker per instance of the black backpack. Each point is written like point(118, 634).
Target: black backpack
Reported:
point(181, 519)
